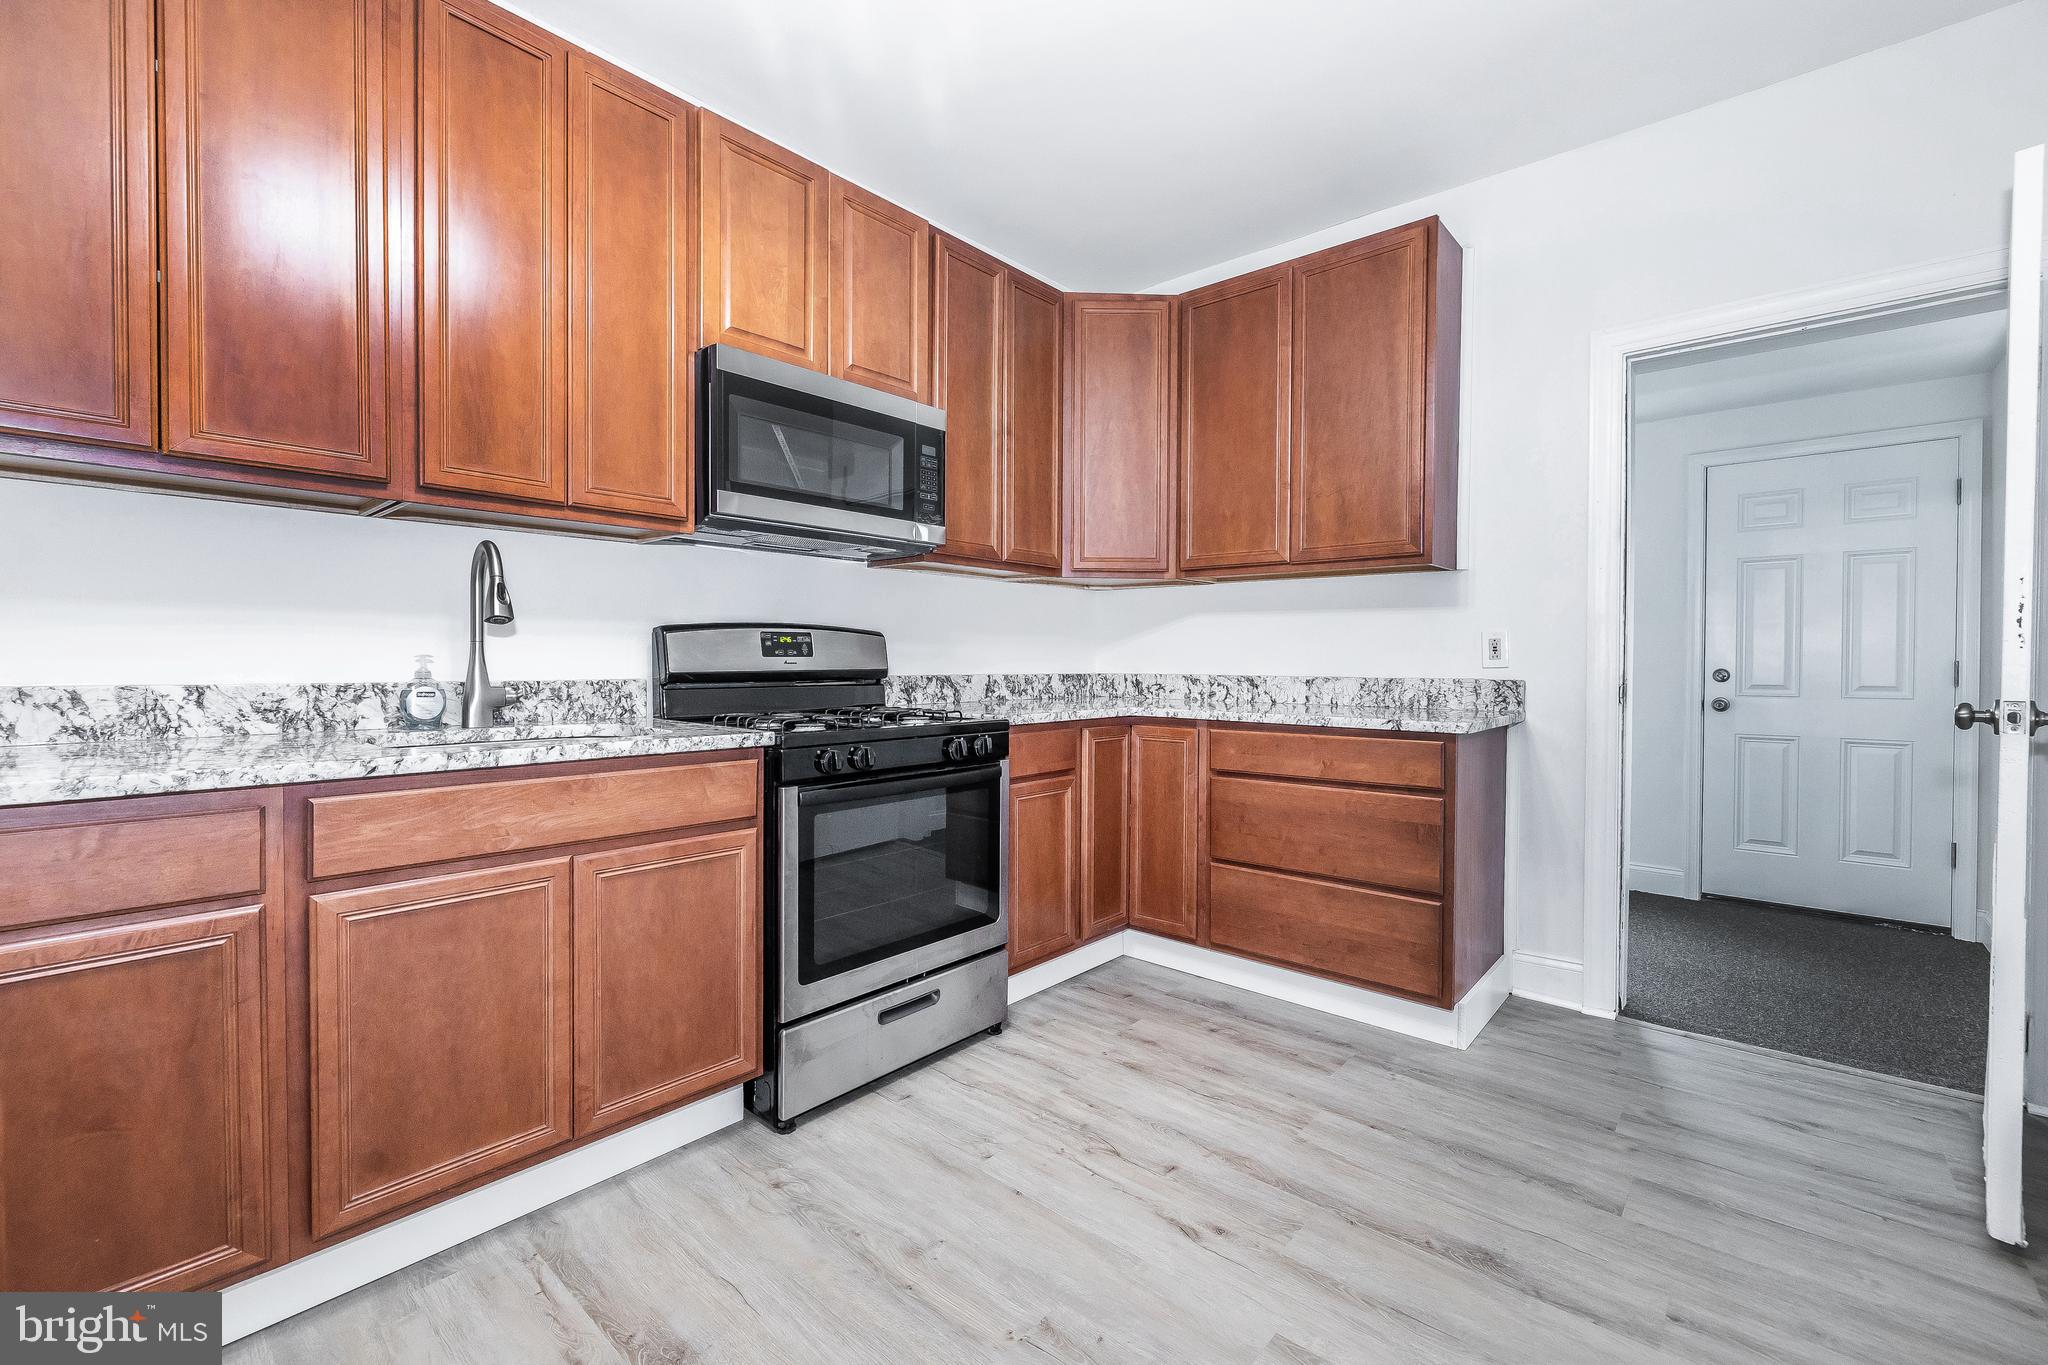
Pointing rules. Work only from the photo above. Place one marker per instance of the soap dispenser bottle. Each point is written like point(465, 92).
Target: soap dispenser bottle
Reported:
point(423, 702)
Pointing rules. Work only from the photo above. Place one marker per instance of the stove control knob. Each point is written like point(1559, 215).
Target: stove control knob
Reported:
point(860, 758)
point(956, 747)
point(983, 746)
point(827, 760)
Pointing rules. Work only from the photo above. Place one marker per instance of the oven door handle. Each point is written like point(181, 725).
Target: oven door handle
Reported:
point(930, 779)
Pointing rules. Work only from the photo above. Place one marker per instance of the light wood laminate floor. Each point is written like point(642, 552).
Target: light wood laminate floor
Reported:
point(1149, 1167)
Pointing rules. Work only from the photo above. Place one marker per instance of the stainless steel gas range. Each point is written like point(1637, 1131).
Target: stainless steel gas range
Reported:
point(887, 912)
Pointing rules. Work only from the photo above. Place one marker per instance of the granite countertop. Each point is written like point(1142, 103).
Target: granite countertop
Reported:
point(137, 766)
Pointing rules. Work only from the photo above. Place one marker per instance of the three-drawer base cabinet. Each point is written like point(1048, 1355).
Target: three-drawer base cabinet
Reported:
point(1371, 858)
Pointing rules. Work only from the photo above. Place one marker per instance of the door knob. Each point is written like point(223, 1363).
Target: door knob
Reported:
point(1720, 675)
point(2040, 718)
point(1968, 715)
point(1720, 703)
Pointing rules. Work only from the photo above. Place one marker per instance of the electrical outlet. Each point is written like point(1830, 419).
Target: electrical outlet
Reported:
point(1493, 649)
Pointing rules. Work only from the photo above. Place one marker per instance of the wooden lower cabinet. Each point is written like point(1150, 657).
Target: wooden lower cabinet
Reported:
point(1045, 868)
point(135, 1104)
point(1105, 796)
point(1165, 845)
point(441, 1044)
point(668, 973)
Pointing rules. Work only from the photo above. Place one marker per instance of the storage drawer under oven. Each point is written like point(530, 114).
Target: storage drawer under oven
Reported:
point(845, 1048)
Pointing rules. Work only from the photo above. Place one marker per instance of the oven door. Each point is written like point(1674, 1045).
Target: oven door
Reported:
point(885, 880)
point(791, 449)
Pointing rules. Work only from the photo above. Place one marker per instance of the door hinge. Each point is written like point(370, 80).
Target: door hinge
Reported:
point(1959, 672)
point(1959, 492)
point(1954, 852)
point(1621, 693)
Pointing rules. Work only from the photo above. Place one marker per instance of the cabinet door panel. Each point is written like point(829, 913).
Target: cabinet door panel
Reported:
point(440, 1034)
point(1361, 318)
point(1105, 798)
point(1235, 344)
point(1119, 426)
point(668, 974)
point(1164, 837)
point(1031, 424)
point(763, 239)
point(493, 223)
point(78, 237)
point(134, 1134)
point(1045, 839)
point(630, 293)
point(967, 347)
point(881, 293)
point(274, 211)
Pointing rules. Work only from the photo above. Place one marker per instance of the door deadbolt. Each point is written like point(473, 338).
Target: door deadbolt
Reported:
point(1720, 703)
point(1720, 675)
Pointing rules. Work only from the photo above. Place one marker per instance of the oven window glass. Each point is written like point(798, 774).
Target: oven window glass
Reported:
point(881, 874)
point(779, 449)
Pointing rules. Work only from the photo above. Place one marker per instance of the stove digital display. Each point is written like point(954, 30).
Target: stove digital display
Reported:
point(785, 644)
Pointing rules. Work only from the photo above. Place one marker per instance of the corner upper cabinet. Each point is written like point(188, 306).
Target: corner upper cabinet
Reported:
point(1120, 435)
point(493, 253)
point(274, 213)
point(632, 287)
point(764, 236)
point(881, 293)
point(1031, 424)
point(1375, 343)
point(78, 239)
point(1235, 419)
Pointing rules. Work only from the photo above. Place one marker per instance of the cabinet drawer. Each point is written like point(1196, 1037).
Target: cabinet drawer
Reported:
point(1372, 937)
point(98, 866)
point(1036, 749)
point(376, 830)
point(1386, 838)
point(1331, 757)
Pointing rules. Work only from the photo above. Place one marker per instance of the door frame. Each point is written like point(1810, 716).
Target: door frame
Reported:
point(1965, 919)
point(1613, 355)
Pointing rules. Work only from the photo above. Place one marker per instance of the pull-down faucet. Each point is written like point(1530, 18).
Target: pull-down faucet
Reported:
point(489, 604)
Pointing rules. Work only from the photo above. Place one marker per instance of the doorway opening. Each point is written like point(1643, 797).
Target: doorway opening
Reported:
point(1808, 576)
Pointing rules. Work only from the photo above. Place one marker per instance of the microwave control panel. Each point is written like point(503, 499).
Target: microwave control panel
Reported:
point(930, 495)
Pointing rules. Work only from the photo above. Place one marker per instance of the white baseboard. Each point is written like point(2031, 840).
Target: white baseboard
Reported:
point(1066, 966)
point(1331, 997)
point(1551, 981)
point(298, 1285)
point(1656, 878)
point(1484, 1000)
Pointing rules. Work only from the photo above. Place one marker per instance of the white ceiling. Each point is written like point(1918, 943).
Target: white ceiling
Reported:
point(1115, 144)
point(1934, 343)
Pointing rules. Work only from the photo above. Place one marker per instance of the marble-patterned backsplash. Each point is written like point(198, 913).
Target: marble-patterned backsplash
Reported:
point(144, 714)
point(1221, 691)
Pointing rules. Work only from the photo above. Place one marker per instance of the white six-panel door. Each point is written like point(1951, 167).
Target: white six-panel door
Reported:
point(1828, 758)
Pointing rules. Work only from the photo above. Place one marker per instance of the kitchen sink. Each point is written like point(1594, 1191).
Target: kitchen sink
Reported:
point(496, 735)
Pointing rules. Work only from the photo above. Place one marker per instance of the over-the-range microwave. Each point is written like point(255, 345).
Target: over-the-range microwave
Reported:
point(790, 459)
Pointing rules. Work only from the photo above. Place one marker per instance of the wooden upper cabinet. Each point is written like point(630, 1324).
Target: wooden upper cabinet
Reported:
point(1165, 848)
point(881, 293)
point(1119, 434)
point(631, 292)
point(1234, 440)
point(967, 362)
point(1031, 423)
point(1375, 365)
point(764, 232)
point(134, 1106)
point(668, 973)
point(493, 252)
point(441, 1031)
point(78, 235)
point(273, 220)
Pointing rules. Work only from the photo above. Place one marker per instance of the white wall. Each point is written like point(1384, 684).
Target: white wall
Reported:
point(1896, 158)
point(101, 586)
point(1663, 842)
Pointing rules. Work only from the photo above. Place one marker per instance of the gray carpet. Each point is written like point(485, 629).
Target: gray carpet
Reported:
point(1905, 1002)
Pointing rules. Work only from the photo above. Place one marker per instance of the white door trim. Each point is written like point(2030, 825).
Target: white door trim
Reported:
point(1612, 353)
point(1969, 436)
